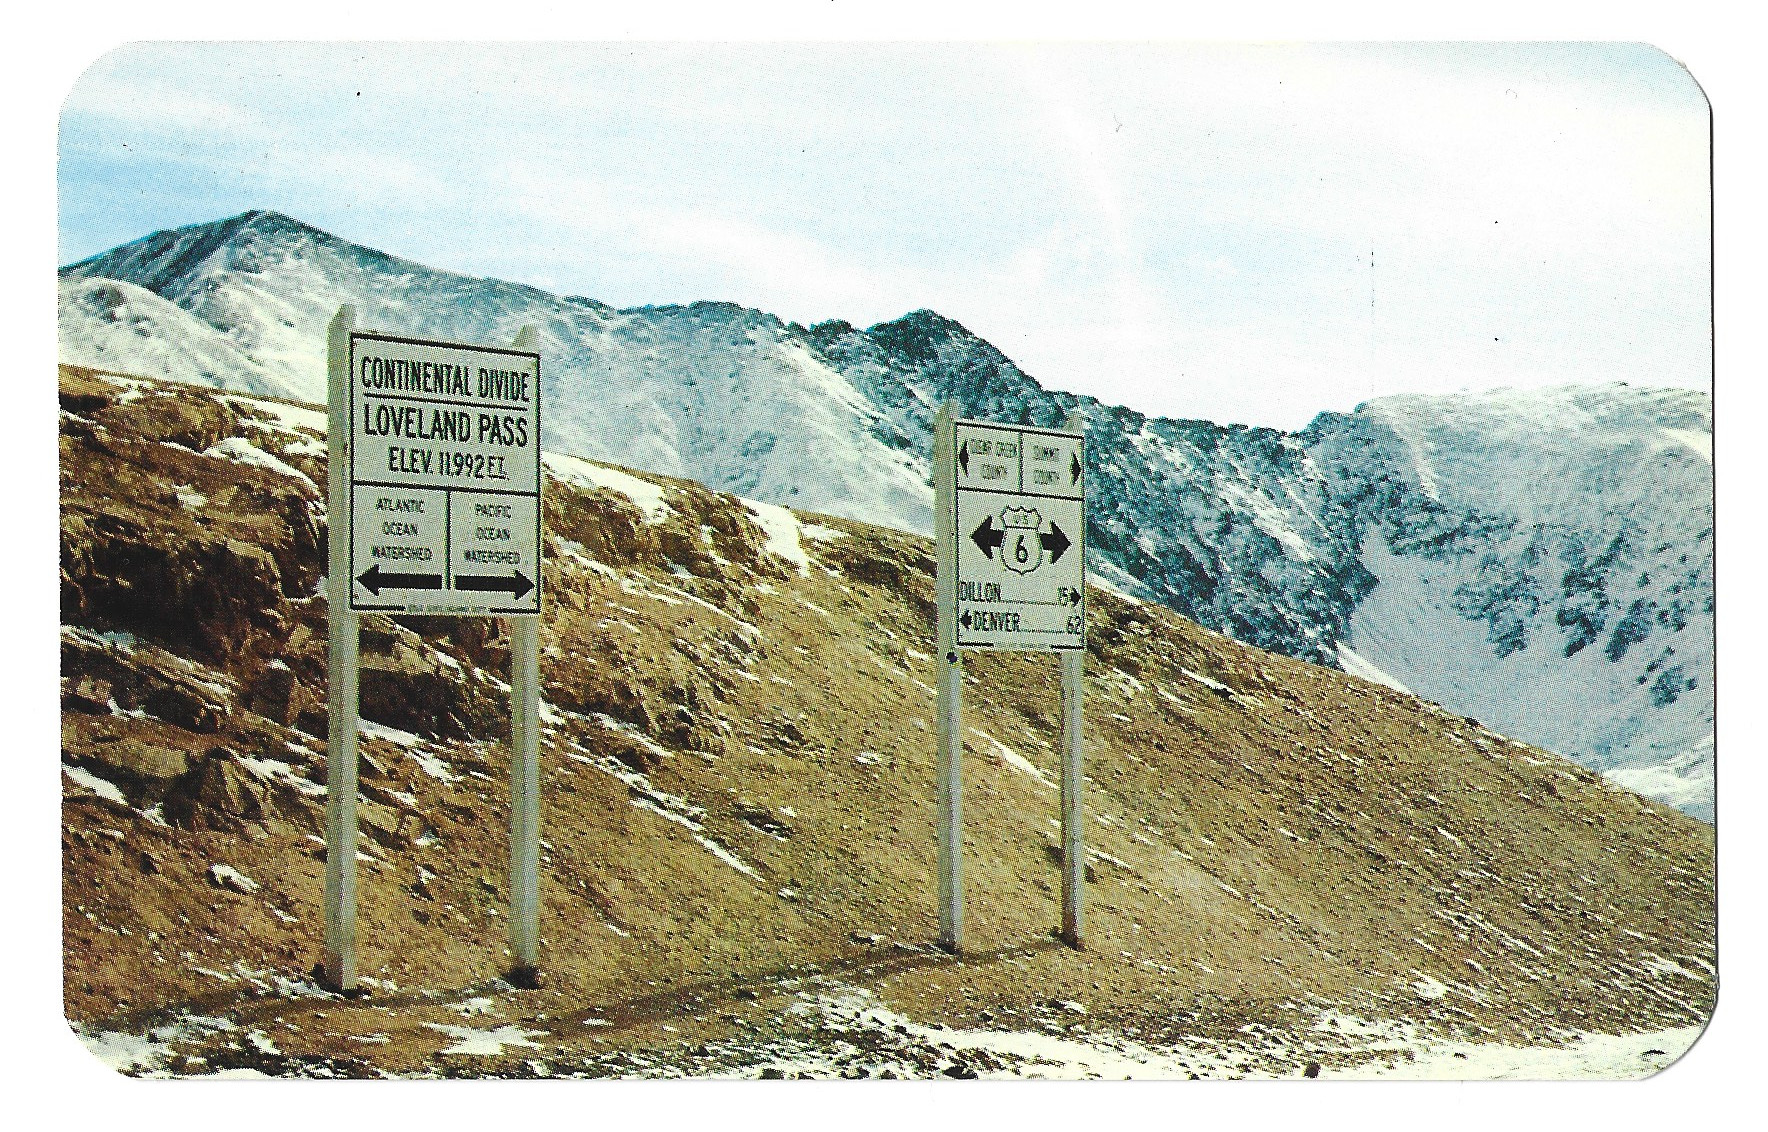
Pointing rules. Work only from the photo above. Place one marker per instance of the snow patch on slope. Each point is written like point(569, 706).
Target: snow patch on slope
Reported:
point(242, 451)
point(581, 473)
point(1352, 662)
point(783, 530)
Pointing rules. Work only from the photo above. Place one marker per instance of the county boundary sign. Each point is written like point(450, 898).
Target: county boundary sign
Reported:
point(1019, 509)
point(1009, 524)
point(444, 477)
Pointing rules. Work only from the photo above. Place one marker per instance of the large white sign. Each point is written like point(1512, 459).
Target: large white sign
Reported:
point(444, 477)
point(1020, 509)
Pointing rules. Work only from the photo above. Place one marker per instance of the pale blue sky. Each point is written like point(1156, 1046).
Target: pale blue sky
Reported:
point(1186, 230)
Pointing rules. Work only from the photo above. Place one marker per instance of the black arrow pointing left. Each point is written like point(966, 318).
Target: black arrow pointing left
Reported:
point(987, 538)
point(1055, 542)
point(374, 580)
point(964, 456)
point(516, 585)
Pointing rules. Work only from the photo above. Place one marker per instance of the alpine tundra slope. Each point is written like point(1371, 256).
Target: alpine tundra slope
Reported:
point(1290, 871)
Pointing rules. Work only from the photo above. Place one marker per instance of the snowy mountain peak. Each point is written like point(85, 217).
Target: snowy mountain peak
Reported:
point(918, 336)
point(172, 258)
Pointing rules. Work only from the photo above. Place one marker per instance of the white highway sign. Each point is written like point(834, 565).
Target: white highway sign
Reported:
point(1019, 504)
point(444, 477)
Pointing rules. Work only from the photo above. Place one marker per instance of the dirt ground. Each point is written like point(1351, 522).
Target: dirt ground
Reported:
point(738, 825)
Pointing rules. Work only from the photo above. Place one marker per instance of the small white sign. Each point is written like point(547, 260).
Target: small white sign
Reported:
point(444, 477)
point(1020, 510)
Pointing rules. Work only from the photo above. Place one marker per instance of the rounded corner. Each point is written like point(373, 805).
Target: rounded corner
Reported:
point(94, 64)
point(1687, 71)
point(1705, 1025)
point(88, 1059)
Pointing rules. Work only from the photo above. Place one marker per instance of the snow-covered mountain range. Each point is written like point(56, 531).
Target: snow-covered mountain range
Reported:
point(1540, 560)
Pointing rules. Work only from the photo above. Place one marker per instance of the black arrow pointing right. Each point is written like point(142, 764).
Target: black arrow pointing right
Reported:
point(1054, 541)
point(1073, 469)
point(986, 538)
point(516, 585)
point(373, 580)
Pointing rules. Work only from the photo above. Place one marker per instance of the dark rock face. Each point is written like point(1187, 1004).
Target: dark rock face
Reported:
point(211, 556)
point(408, 684)
point(899, 564)
point(142, 679)
point(213, 596)
point(1162, 521)
point(277, 695)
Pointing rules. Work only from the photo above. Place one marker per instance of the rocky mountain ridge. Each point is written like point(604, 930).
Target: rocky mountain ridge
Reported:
point(1568, 534)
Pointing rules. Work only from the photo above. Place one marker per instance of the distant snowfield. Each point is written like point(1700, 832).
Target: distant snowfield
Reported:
point(1573, 607)
point(1684, 781)
point(1571, 705)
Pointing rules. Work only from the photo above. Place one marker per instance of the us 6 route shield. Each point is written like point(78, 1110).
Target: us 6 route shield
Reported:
point(444, 477)
point(1020, 512)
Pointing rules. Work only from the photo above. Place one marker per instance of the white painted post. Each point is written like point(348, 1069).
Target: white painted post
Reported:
point(341, 671)
point(1074, 867)
point(525, 779)
point(950, 686)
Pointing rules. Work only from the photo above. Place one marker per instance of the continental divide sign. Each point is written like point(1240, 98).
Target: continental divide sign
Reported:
point(444, 477)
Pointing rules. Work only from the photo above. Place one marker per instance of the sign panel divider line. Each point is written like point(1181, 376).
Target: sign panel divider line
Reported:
point(1036, 430)
point(1015, 494)
point(426, 487)
point(429, 400)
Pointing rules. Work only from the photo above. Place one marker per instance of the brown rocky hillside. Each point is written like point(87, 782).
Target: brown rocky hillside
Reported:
point(1290, 866)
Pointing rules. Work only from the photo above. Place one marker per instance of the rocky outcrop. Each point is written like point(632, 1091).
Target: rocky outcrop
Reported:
point(207, 554)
